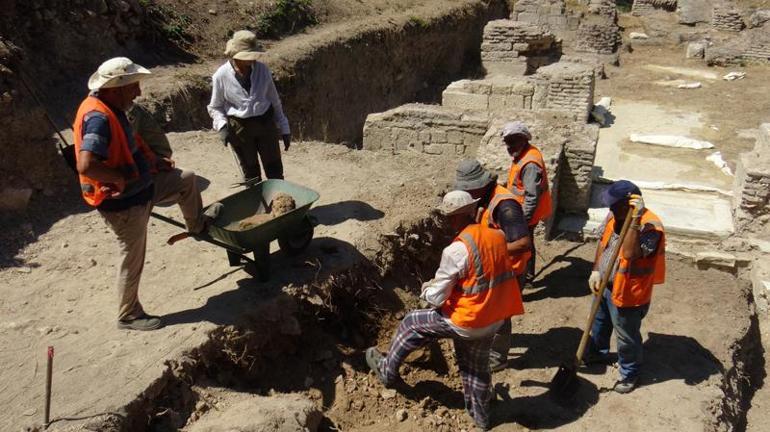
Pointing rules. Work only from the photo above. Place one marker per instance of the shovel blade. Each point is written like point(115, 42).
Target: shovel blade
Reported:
point(565, 382)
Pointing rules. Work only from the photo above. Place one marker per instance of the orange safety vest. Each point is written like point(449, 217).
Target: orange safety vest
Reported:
point(516, 185)
point(119, 154)
point(489, 292)
point(632, 285)
point(499, 195)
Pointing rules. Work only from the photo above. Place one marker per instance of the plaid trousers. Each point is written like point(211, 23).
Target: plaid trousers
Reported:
point(422, 326)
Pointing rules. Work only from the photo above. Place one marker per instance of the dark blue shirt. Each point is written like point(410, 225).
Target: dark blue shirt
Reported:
point(96, 139)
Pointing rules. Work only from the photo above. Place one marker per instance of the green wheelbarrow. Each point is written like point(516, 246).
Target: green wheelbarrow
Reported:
point(293, 230)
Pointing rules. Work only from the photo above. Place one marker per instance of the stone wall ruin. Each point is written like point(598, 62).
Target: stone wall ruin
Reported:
point(517, 48)
point(752, 186)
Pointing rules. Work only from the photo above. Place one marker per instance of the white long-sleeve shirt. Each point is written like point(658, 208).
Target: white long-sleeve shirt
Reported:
point(453, 268)
point(229, 98)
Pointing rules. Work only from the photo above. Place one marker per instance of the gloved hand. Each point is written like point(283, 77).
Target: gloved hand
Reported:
point(224, 134)
point(593, 281)
point(637, 203)
point(286, 141)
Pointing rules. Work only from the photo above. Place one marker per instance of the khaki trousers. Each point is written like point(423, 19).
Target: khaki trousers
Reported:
point(130, 226)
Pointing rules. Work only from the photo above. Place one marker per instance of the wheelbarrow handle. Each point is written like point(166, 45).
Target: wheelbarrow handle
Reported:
point(204, 237)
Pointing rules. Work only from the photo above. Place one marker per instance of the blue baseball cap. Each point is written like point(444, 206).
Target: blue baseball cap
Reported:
point(619, 190)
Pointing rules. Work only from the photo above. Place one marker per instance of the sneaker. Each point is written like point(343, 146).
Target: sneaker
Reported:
point(496, 364)
point(625, 385)
point(143, 323)
point(373, 360)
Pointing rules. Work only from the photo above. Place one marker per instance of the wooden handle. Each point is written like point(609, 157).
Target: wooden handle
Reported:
point(602, 286)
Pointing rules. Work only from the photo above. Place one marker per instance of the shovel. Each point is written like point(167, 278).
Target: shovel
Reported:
point(565, 382)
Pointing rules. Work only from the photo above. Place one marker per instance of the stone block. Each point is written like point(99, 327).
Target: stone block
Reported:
point(509, 68)
point(759, 18)
point(434, 149)
point(498, 102)
point(696, 50)
point(715, 259)
point(465, 101)
point(454, 137)
point(438, 136)
point(692, 12)
point(496, 46)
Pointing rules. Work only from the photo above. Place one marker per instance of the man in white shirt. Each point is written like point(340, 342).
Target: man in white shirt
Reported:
point(473, 292)
point(245, 109)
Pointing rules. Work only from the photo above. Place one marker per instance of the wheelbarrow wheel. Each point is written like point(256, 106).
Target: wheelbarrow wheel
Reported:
point(295, 242)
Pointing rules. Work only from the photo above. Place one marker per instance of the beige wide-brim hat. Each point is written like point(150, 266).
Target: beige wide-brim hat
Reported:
point(117, 72)
point(243, 46)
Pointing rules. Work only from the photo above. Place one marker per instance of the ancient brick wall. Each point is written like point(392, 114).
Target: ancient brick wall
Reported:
point(641, 7)
point(565, 86)
point(752, 185)
point(551, 13)
point(428, 129)
point(727, 18)
point(515, 48)
point(598, 34)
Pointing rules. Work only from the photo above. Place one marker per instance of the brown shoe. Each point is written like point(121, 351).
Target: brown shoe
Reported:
point(142, 323)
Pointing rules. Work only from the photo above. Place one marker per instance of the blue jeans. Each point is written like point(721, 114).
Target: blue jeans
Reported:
point(627, 322)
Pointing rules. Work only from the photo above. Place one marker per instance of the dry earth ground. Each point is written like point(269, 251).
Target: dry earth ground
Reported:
point(64, 296)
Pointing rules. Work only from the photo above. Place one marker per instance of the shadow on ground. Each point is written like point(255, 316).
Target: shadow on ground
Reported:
point(570, 279)
point(542, 411)
point(336, 213)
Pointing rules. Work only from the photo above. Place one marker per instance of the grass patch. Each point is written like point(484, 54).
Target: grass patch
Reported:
point(286, 17)
point(172, 25)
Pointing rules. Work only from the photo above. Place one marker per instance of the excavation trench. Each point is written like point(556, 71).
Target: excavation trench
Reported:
point(301, 340)
point(309, 340)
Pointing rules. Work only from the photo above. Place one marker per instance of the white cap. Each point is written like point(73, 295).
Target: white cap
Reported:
point(117, 72)
point(515, 128)
point(458, 202)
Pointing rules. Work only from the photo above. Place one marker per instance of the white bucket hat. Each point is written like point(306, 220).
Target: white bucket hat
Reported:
point(243, 46)
point(117, 72)
point(458, 202)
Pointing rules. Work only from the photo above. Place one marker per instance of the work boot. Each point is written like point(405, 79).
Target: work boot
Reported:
point(143, 323)
point(373, 360)
point(625, 385)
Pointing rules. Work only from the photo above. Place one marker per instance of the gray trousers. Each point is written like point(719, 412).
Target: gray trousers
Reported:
point(130, 227)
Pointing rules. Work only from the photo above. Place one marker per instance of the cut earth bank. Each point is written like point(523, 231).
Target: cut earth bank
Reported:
point(305, 330)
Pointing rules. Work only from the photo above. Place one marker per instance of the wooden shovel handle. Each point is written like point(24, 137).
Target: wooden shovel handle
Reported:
point(602, 286)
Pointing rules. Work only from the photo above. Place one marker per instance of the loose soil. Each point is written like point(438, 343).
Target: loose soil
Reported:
point(63, 296)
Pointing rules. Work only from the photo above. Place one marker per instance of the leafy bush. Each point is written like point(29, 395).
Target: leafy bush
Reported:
point(286, 17)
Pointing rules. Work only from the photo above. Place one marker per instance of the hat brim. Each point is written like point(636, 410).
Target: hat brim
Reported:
point(468, 185)
point(609, 199)
point(96, 81)
point(248, 55)
point(468, 208)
